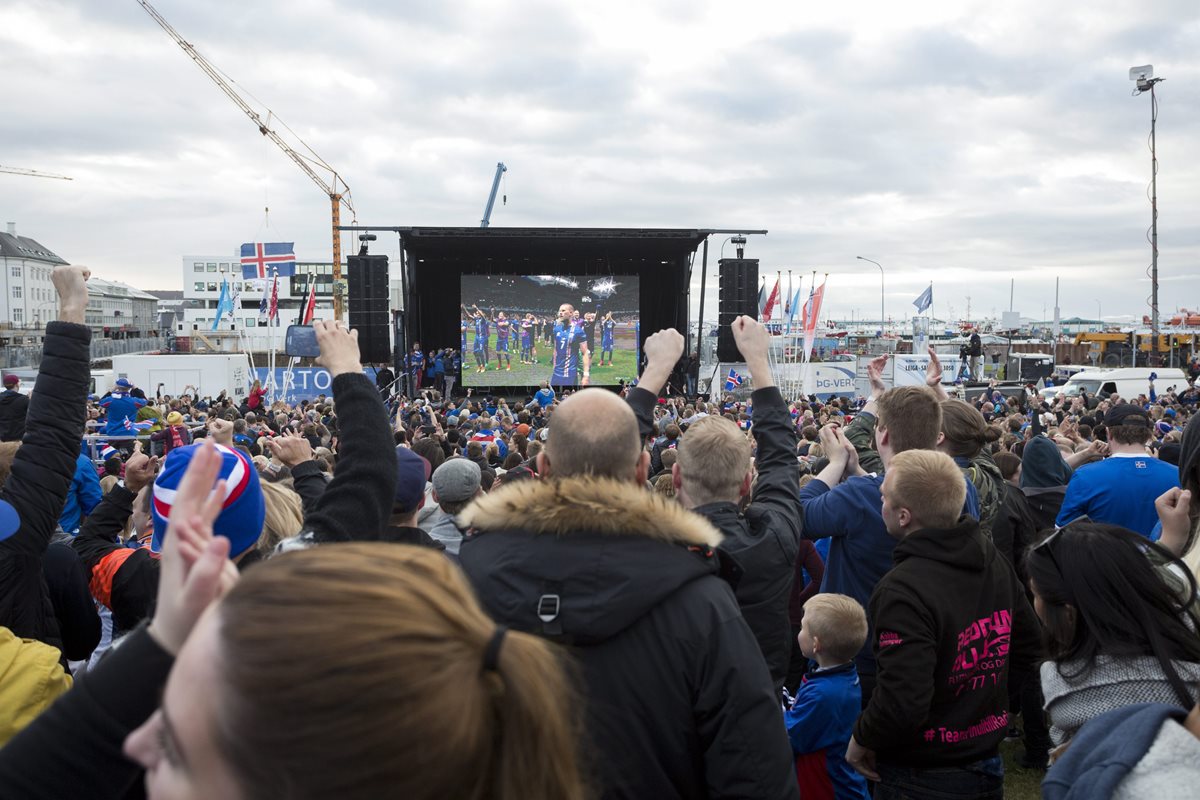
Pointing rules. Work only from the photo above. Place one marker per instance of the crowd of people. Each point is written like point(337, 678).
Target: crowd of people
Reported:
point(589, 593)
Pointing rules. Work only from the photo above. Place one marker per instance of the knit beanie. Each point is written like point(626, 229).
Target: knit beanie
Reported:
point(242, 513)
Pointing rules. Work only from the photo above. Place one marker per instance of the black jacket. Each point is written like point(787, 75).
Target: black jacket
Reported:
point(103, 707)
point(42, 470)
point(951, 624)
point(13, 408)
point(1014, 528)
point(765, 541)
point(74, 608)
point(678, 702)
point(357, 501)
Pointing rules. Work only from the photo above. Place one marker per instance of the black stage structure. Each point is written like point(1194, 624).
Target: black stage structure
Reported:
point(434, 259)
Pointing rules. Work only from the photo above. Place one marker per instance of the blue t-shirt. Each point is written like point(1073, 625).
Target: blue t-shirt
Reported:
point(566, 351)
point(544, 397)
point(1120, 490)
point(481, 334)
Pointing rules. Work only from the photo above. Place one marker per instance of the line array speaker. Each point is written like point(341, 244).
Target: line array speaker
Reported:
point(738, 295)
point(367, 282)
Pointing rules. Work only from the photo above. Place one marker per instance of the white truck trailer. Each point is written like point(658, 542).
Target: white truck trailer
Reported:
point(202, 375)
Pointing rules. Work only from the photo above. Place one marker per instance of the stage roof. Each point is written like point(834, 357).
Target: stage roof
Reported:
point(551, 241)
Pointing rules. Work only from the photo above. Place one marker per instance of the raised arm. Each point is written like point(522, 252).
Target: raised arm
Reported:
point(359, 498)
point(778, 483)
point(662, 350)
point(44, 466)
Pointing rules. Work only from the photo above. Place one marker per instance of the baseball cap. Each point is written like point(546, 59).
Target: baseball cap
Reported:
point(1126, 414)
point(124, 384)
point(242, 512)
point(523, 429)
point(412, 471)
point(456, 480)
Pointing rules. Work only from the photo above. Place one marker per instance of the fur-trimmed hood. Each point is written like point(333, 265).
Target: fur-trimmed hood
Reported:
point(580, 560)
point(597, 505)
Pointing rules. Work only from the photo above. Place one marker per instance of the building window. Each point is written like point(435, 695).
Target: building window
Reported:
point(16, 270)
point(251, 322)
point(16, 291)
point(18, 315)
point(198, 286)
point(224, 266)
point(212, 267)
point(198, 267)
point(212, 286)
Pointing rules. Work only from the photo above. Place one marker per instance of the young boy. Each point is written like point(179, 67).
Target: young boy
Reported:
point(821, 720)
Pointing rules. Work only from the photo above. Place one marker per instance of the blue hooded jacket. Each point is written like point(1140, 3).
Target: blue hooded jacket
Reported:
point(1105, 751)
point(83, 496)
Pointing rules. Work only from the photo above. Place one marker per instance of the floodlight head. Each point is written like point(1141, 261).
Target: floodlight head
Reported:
point(1143, 73)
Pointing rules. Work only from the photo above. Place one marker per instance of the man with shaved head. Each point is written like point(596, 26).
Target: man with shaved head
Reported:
point(676, 699)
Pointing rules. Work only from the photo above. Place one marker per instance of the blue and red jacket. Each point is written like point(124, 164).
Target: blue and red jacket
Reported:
point(820, 724)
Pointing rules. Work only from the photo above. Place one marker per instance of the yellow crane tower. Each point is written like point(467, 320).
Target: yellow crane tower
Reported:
point(336, 188)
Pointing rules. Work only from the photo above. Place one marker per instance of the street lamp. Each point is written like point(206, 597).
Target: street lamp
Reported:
point(882, 318)
point(1145, 81)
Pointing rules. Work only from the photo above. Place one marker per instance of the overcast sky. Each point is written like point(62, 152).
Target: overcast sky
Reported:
point(966, 143)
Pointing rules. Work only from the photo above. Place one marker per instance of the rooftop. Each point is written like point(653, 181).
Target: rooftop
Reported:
point(13, 246)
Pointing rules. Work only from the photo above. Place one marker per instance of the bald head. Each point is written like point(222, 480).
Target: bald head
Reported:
point(594, 432)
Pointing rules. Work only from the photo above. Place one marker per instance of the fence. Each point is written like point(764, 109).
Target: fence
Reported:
point(31, 356)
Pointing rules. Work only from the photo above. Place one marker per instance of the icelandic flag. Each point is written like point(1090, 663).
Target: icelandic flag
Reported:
point(224, 305)
point(732, 381)
point(259, 258)
point(137, 427)
point(925, 300)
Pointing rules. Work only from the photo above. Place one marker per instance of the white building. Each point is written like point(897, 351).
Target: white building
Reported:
point(117, 310)
point(28, 298)
point(202, 277)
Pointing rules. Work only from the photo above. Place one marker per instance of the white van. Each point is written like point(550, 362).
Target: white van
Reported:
point(1128, 382)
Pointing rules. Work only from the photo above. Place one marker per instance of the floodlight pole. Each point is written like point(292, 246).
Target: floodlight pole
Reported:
point(1153, 228)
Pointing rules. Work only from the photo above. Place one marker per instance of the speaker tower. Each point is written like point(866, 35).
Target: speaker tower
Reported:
point(738, 295)
point(367, 282)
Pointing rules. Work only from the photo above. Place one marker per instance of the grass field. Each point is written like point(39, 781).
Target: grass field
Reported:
point(1019, 783)
point(624, 363)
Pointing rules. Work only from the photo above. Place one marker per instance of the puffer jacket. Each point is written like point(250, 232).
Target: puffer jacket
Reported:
point(42, 470)
point(677, 699)
point(765, 540)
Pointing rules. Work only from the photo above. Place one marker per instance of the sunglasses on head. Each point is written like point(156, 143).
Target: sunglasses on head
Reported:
point(1045, 543)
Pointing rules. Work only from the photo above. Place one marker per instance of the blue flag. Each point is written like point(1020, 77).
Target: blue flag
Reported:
point(732, 381)
point(795, 310)
point(224, 305)
point(925, 300)
point(260, 258)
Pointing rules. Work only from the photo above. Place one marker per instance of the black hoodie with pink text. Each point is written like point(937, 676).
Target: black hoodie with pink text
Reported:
point(951, 622)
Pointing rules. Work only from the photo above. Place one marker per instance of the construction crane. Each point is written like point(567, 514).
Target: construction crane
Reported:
point(487, 211)
point(33, 173)
point(335, 188)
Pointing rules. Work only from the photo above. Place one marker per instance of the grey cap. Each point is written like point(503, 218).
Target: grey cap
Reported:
point(456, 480)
